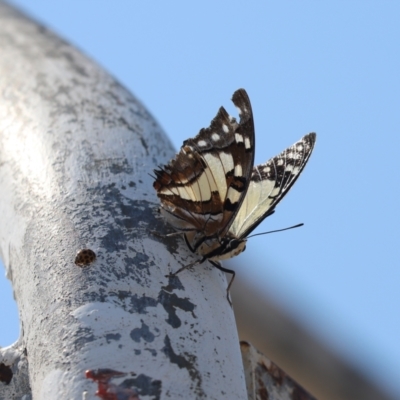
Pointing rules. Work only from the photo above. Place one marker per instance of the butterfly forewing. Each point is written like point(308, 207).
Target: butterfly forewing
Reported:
point(202, 188)
point(269, 183)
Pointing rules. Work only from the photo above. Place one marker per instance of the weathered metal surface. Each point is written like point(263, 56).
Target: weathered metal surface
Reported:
point(76, 150)
point(266, 381)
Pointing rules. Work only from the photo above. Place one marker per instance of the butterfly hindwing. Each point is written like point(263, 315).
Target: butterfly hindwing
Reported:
point(269, 183)
point(202, 188)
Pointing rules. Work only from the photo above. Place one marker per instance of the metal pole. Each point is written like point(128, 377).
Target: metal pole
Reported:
point(77, 207)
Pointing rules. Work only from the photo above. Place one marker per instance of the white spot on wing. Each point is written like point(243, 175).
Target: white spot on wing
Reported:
point(227, 161)
point(169, 192)
point(202, 143)
point(178, 191)
point(215, 136)
point(238, 170)
point(247, 143)
point(216, 171)
point(184, 193)
point(238, 138)
point(211, 180)
point(201, 188)
point(296, 170)
point(225, 128)
point(233, 195)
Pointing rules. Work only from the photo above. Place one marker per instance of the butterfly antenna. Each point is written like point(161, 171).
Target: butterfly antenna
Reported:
point(278, 230)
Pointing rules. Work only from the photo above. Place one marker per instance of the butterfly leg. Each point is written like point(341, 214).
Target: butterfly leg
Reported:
point(228, 271)
point(166, 235)
point(186, 267)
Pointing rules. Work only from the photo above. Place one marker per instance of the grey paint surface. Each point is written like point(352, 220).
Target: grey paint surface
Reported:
point(75, 153)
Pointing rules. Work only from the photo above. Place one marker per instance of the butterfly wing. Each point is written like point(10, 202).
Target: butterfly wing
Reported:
point(269, 183)
point(202, 188)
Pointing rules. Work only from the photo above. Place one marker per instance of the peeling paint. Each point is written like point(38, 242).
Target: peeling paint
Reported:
point(94, 145)
point(186, 362)
point(110, 391)
point(112, 336)
point(265, 380)
point(170, 302)
point(146, 386)
point(142, 333)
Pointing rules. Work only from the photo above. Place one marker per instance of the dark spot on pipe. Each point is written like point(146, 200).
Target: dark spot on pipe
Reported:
point(85, 257)
point(5, 373)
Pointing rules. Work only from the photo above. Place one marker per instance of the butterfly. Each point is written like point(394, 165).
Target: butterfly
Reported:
point(212, 193)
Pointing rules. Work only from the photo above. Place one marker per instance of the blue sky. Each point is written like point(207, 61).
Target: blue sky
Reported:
point(331, 67)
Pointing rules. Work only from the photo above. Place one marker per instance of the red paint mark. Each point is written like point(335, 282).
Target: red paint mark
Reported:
point(107, 390)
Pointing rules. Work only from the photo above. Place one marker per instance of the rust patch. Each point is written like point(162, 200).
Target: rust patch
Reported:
point(107, 390)
point(186, 361)
point(277, 374)
point(264, 379)
point(85, 257)
point(262, 390)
